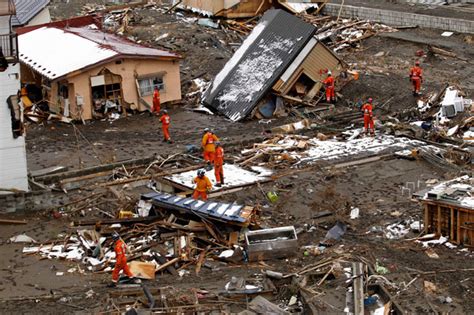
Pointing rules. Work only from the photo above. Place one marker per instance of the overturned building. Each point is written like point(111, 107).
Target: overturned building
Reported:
point(281, 56)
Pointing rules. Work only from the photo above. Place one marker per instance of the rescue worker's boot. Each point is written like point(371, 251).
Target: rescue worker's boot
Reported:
point(218, 185)
point(112, 284)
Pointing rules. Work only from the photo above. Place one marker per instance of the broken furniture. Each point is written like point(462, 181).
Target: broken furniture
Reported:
point(271, 243)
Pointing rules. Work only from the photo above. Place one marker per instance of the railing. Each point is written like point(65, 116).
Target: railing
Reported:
point(9, 47)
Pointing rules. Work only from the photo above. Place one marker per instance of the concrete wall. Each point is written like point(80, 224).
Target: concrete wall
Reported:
point(396, 18)
point(13, 171)
point(31, 201)
point(128, 70)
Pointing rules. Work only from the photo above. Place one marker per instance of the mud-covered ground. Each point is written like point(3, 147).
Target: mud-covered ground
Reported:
point(374, 188)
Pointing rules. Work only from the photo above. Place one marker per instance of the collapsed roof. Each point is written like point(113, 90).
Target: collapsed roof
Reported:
point(257, 64)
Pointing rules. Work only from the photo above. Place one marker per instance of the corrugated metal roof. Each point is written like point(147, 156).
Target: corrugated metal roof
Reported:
point(258, 63)
point(215, 210)
point(73, 49)
point(26, 10)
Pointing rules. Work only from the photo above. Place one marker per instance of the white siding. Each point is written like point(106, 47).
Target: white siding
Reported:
point(41, 18)
point(13, 170)
point(4, 26)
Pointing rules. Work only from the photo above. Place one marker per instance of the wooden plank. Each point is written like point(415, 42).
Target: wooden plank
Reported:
point(358, 285)
point(142, 270)
point(458, 227)
point(167, 264)
point(114, 221)
point(201, 258)
point(5, 221)
point(162, 260)
point(91, 170)
point(451, 232)
point(438, 228)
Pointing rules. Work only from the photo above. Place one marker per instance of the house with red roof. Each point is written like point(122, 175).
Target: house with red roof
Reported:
point(83, 72)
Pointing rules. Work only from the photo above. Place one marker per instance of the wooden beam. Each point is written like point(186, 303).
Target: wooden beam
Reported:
point(91, 170)
point(5, 221)
point(438, 228)
point(427, 218)
point(167, 264)
point(458, 227)
point(451, 230)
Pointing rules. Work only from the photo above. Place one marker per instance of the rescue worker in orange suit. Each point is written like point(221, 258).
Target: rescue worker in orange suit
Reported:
point(209, 146)
point(203, 186)
point(165, 124)
point(367, 109)
point(156, 101)
point(416, 78)
point(120, 249)
point(219, 164)
point(329, 86)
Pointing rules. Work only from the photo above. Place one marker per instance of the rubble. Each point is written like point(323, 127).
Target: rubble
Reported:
point(314, 216)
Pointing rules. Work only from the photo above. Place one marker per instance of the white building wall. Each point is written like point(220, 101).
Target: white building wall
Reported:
point(13, 170)
point(40, 18)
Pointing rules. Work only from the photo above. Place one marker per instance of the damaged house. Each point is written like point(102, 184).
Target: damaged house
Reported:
point(245, 8)
point(282, 57)
point(86, 73)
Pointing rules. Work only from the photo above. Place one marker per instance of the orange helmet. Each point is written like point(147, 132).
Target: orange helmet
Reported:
point(370, 99)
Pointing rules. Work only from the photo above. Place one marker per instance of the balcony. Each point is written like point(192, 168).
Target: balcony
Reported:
point(9, 47)
point(7, 7)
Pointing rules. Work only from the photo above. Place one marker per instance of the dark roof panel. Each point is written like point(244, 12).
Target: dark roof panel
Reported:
point(258, 63)
point(26, 10)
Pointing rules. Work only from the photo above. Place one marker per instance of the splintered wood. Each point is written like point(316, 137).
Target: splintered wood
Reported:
point(274, 153)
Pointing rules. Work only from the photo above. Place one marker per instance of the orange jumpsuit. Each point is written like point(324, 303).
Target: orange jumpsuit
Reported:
point(416, 78)
point(218, 165)
point(329, 85)
point(156, 102)
point(208, 143)
point(368, 117)
point(165, 124)
point(121, 261)
point(203, 184)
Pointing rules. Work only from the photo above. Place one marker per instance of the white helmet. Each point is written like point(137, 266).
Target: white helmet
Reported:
point(329, 72)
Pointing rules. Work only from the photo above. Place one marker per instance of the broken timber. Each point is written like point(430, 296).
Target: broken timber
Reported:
point(51, 178)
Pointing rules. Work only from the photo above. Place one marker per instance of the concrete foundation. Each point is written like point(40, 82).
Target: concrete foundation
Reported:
point(31, 201)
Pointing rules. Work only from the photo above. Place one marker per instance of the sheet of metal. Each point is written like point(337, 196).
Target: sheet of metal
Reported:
point(271, 243)
point(227, 212)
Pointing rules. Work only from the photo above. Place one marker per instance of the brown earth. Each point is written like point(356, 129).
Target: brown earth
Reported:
point(374, 188)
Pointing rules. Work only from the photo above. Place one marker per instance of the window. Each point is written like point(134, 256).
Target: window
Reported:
point(147, 85)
